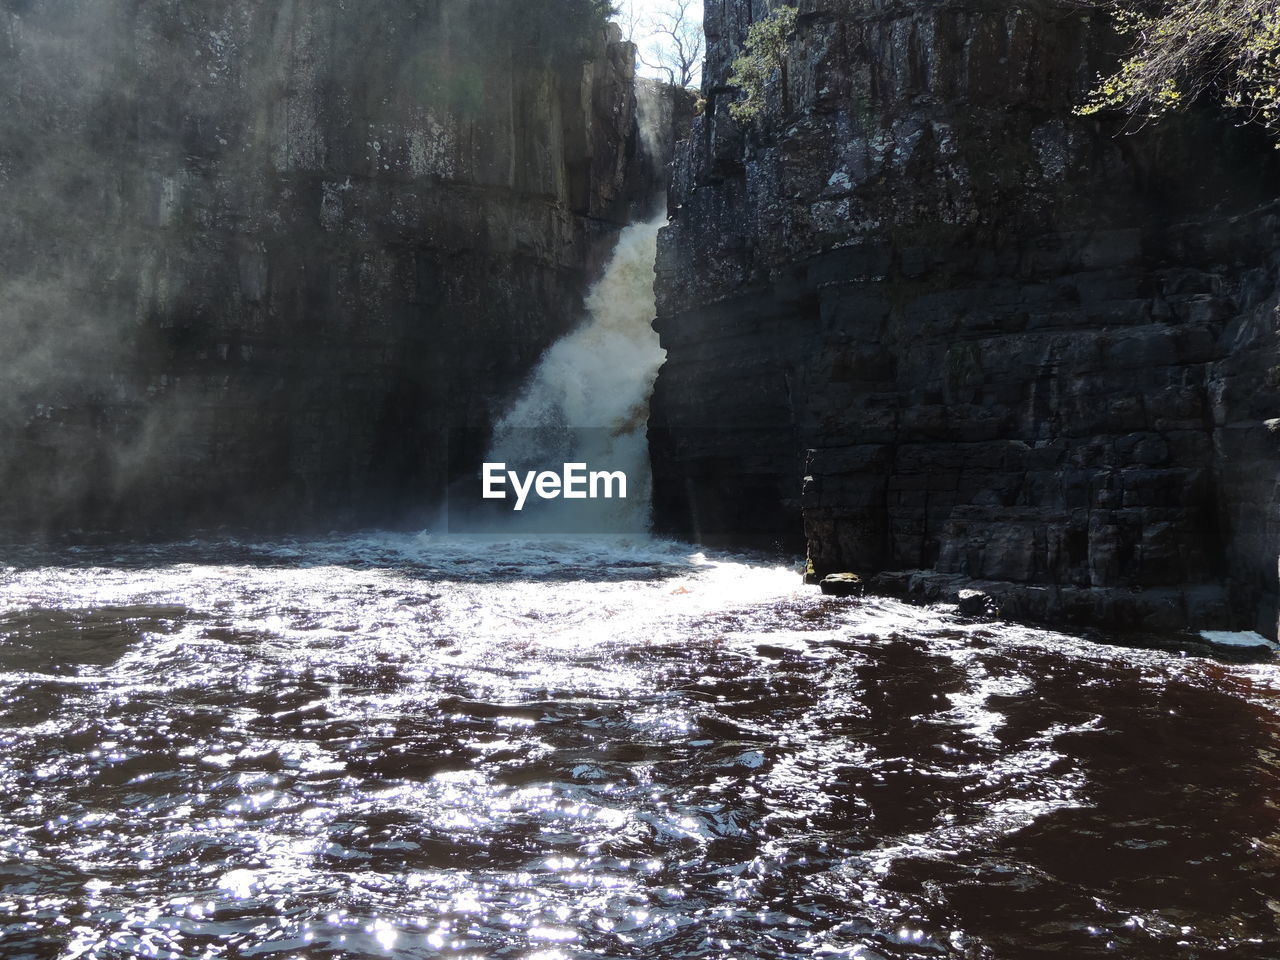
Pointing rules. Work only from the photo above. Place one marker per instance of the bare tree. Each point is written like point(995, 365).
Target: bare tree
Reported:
point(630, 20)
point(676, 41)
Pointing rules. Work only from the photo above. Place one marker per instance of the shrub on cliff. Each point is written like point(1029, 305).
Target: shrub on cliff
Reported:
point(763, 54)
point(1227, 49)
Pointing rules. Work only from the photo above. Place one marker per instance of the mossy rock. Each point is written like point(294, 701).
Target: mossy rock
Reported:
point(810, 575)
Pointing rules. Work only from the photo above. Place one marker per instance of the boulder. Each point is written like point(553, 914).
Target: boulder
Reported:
point(1238, 641)
point(842, 585)
point(975, 603)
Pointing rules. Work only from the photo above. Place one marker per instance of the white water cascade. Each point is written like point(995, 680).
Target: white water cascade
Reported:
point(587, 401)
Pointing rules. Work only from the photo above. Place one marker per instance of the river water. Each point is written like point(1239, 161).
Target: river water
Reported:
point(402, 746)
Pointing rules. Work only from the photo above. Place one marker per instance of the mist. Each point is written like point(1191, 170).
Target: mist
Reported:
point(258, 261)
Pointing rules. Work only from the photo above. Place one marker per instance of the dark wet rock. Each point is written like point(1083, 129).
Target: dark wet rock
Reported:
point(921, 318)
point(842, 585)
point(282, 264)
point(975, 603)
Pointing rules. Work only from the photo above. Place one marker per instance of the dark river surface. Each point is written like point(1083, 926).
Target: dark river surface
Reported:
point(407, 747)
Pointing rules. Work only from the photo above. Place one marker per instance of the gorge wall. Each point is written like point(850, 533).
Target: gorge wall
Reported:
point(923, 319)
point(280, 264)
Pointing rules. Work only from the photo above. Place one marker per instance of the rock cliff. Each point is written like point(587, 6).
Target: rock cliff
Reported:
point(280, 263)
point(922, 318)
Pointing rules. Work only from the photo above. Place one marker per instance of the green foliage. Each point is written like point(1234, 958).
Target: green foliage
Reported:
point(1229, 49)
point(763, 54)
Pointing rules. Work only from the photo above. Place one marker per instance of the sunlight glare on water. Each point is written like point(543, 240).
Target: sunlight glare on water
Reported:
point(400, 746)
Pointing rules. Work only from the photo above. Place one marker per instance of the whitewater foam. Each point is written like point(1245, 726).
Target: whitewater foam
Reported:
point(587, 401)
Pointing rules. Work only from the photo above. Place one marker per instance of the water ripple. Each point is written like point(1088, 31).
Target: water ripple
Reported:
point(394, 746)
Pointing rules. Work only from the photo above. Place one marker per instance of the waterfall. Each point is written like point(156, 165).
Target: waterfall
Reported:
point(587, 400)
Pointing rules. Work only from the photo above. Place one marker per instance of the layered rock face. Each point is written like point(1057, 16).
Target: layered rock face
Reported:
point(921, 316)
point(282, 263)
